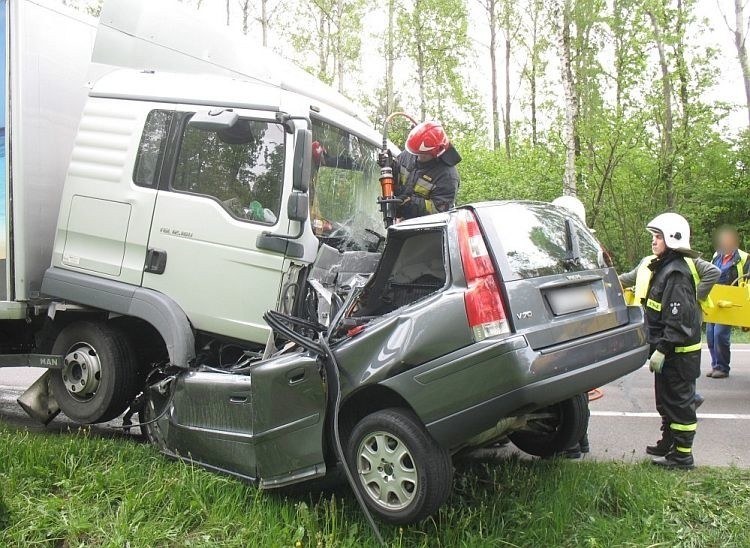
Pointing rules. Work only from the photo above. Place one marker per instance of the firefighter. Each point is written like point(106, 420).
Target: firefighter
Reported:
point(428, 175)
point(673, 324)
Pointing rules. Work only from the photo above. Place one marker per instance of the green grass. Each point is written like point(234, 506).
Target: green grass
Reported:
point(80, 490)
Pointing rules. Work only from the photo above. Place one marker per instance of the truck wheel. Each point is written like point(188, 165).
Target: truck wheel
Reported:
point(403, 474)
point(559, 427)
point(99, 375)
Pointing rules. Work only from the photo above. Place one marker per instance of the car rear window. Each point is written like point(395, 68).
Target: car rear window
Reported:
point(533, 239)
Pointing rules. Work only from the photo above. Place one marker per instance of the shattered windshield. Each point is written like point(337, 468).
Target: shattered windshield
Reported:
point(344, 188)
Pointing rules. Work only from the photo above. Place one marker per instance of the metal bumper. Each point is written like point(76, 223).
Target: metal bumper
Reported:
point(508, 378)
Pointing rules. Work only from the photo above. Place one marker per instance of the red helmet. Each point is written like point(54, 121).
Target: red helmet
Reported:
point(427, 138)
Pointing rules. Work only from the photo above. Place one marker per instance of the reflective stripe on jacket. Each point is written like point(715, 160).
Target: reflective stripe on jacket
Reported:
point(643, 277)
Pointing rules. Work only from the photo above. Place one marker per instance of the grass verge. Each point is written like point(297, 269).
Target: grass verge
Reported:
point(80, 490)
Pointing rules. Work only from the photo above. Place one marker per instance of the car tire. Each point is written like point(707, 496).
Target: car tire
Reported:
point(100, 374)
point(391, 448)
point(568, 423)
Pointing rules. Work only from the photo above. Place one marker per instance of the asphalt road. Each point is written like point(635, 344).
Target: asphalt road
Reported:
point(623, 421)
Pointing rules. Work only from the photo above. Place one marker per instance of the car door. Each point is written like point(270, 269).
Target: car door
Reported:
point(222, 190)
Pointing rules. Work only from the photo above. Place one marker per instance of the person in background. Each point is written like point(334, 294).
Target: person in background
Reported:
point(673, 328)
point(734, 267)
point(427, 172)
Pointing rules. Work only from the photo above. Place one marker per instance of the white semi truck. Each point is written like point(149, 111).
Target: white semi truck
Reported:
point(160, 196)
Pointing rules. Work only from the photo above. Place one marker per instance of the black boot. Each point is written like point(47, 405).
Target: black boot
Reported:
point(584, 444)
point(675, 460)
point(662, 447)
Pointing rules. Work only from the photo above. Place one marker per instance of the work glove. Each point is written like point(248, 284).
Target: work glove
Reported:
point(656, 362)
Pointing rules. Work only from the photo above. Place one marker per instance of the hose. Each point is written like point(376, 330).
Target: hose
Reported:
point(332, 373)
point(279, 323)
point(387, 121)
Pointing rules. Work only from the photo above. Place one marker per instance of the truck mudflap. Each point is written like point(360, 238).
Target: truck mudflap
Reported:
point(477, 387)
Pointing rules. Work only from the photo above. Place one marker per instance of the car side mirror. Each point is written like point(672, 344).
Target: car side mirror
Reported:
point(302, 159)
point(297, 207)
point(214, 120)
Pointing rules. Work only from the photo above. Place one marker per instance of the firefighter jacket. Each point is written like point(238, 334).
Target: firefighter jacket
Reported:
point(673, 318)
point(427, 187)
point(705, 275)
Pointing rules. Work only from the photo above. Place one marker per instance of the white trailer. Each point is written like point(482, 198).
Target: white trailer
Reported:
point(45, 74)
point(162, 196)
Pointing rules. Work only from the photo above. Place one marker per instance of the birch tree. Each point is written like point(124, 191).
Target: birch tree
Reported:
point(434, 39)
point(535, 42)
point(564, 14)
point(739, 35)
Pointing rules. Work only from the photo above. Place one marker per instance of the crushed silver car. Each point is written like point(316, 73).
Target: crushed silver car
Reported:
point(487, 321)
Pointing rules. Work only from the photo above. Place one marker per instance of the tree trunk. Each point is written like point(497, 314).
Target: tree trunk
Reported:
point(340, 55)
point(227, 12)
point(264, 21)
point(740, 35)
point(506, 119)
point(667, 145)
point(682, 69)
point(245, 10)
point(420, 61)
point(420, 78)
point(491, 6)
point(569, 176)
point(533, 72)
point(389, 59)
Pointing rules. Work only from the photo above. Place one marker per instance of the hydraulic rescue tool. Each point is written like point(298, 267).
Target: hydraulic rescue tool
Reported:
point(387, 200)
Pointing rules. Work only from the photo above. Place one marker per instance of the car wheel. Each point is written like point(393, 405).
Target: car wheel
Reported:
point(99, 375)
point(554, 429)
point(403, 474)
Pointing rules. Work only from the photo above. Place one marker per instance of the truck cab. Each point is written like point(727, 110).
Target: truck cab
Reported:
point(194, 205)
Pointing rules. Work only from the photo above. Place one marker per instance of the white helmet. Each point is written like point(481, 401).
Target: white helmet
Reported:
point(674, 228)
point(572, 204)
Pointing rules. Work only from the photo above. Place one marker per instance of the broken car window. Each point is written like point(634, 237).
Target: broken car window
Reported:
point(344, 188)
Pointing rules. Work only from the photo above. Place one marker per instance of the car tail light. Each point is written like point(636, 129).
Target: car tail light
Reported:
point(484, 304)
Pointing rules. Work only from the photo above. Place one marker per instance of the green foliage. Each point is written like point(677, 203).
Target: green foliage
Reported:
point(79, 490)
point(434, 38)
point(533, 173)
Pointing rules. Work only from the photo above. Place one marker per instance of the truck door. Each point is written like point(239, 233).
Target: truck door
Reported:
point(223, 189)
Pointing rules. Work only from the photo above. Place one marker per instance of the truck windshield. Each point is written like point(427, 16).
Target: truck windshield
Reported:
point(344, 188)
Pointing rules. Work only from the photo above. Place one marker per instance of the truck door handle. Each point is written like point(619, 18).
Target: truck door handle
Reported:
point(156, 261)
point(238, 398)
point(296, 376)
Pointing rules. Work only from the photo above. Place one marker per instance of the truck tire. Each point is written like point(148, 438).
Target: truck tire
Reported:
point(403, 474)
point(100, 374)
point(568, 421)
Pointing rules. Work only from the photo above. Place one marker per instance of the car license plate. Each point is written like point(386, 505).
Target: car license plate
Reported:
point(572, 299)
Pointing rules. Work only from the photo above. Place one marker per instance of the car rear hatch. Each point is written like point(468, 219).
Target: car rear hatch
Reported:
point(554, 272)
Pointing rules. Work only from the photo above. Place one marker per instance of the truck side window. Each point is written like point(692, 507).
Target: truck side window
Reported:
point(151, 150)
point(241, 167)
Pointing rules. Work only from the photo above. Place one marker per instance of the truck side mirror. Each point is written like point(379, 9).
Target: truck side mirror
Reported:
point(214, 120)
point(302, 160)
point(298, 207)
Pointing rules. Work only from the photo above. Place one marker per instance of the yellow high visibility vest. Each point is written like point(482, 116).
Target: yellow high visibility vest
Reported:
point(740, 266)
point(643, 277)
